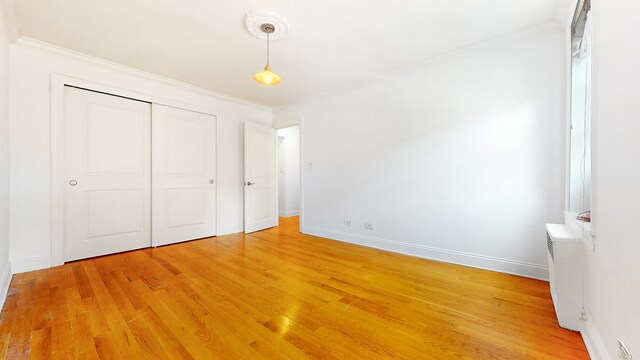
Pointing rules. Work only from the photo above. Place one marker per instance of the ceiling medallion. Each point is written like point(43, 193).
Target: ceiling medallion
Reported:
point(255, 19)
point(267, 25)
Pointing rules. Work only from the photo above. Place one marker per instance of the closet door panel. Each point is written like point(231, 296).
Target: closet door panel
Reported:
point(184, 191)
point(107, 197)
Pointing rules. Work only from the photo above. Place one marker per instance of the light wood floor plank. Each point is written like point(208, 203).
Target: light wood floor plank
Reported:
point(278, 294)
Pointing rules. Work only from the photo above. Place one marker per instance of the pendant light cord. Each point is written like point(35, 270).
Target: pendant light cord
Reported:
point(267, 49)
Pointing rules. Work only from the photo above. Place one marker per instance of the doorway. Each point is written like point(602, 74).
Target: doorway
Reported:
point(289, 171)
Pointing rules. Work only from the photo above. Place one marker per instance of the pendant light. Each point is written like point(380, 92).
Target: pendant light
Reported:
point(266, 77)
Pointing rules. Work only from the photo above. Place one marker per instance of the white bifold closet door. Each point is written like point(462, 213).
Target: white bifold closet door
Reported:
point(184, 169)
point(260, 188)
point(107, 164)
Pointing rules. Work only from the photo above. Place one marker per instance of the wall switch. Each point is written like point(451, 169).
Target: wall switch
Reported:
point(623, 351)
point(347, 223)
point(368, 226)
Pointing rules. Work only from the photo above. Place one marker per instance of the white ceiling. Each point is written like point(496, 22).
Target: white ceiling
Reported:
point(332, 44)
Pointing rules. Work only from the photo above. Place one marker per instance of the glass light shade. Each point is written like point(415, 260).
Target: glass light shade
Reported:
point(267, 77)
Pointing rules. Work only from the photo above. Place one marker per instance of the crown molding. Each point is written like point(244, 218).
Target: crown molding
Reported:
point(46, 47)
point(547, 29)
point(550, 28)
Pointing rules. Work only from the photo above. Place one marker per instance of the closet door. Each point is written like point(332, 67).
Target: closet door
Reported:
point(107, 158)
point(184, 169)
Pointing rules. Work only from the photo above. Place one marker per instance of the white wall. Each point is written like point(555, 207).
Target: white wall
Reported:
point(460, 159)
point(613, 268)
point(289, 171)
point(31, 66)
point(5, 266)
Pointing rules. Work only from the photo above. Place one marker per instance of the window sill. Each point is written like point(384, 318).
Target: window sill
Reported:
point(584, 228)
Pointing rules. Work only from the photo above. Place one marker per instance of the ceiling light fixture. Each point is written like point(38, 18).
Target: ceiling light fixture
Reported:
point(266, 77)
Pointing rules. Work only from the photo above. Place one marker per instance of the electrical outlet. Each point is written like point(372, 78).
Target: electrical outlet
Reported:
point(368, 226)
point(347, 223)
point(583, 315)
point(623, 351)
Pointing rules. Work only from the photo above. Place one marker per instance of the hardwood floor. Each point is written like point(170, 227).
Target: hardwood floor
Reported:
point(278, 294)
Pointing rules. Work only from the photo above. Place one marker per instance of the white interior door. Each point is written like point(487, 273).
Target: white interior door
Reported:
point(184, 169)
point(107, 158)
point(260, 192)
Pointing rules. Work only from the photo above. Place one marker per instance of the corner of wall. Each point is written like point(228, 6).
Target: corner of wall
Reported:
point(289, 213)
point(5, 281)
point(31, 264)
point(8, 31)
point(8, 9)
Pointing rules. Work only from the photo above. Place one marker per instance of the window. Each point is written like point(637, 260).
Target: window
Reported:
point(580, 140)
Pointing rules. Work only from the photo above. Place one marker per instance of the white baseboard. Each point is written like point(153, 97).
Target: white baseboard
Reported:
point(593, 341)
point(30, 264)
point(289, 213)
point(5, 281)
point(456, 257)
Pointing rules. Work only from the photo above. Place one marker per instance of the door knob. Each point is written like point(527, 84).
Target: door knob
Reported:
point(249, 183)
point(210, 181)
point(73, 183)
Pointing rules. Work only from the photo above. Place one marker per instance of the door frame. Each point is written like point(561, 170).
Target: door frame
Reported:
point(296, 121)
point(58, 82)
